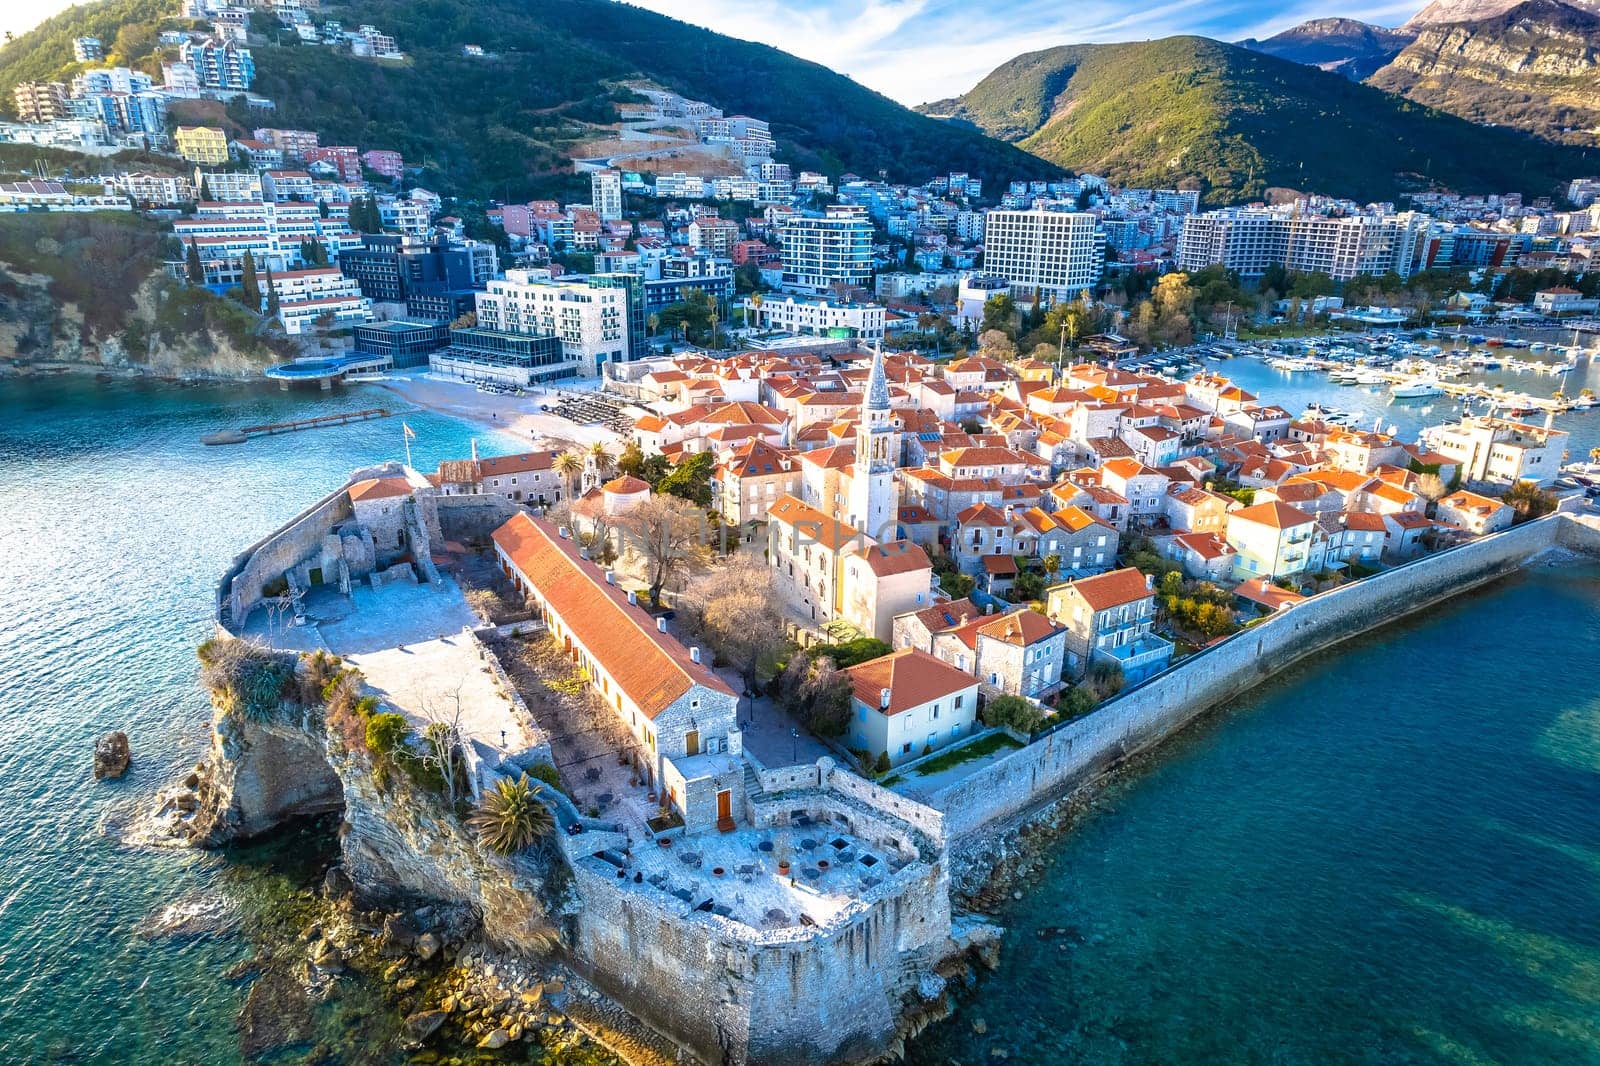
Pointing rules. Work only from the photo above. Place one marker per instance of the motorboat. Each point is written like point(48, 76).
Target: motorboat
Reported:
point(1417, 389)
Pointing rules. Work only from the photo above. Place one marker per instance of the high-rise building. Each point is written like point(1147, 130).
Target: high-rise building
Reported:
point(605, 193)
point(1049, 251)
point(40, 101)
point(88, 50)
point(835, 249)
point(1251, 240)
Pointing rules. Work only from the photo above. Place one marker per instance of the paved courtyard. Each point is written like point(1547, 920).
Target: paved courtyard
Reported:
point(829, 870)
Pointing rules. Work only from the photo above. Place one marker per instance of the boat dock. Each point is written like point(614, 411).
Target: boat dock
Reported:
point(239, 436)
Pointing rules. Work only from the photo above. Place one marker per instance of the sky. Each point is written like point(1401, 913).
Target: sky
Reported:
point(921, 50)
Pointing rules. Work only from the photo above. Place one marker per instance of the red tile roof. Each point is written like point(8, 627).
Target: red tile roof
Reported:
point(912, 676)
point(1113, 589)
point(651, 667)
point(379, 488)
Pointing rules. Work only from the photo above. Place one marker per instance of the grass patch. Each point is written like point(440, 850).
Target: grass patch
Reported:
point(965, 753)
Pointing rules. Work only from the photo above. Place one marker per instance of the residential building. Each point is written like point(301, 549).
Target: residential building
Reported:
point(816, 317)
point(318, 296)
point(1108, 619)
point(1473, 513)
point(345, 159)
point(681, 718)
point(1274, 540)
point(713, 236)
point(1249, 240)
point(205, 145)
point(219, 64)
point(1047, 251)
point(907, 704)
point(405, 344)
point(87, 50)
point(605, 194)
point(384, 161)
point(157, 190)
point(40, 101)
point(1020, 653)
point(1499, 449)
point(820, 253)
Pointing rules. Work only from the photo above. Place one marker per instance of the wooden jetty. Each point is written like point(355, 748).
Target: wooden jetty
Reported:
point(239, 436)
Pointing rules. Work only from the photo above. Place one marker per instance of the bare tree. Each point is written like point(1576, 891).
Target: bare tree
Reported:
point(445, 743)
point(1431, 487)
point(734, 609)
point(668, 534)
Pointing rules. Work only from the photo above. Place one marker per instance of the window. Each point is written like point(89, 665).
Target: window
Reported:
point(905, 749)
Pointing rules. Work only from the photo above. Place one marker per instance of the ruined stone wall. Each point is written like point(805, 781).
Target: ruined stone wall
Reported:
point(1142, 716)
point(470, 519)
point(282, 550)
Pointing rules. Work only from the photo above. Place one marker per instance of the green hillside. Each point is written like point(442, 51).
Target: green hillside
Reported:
point(1239, 122)
point(501, 125)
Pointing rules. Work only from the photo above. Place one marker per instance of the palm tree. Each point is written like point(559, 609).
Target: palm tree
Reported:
point(603, 461)
point(569, 464)
point(1052, 565)
point(512, 816)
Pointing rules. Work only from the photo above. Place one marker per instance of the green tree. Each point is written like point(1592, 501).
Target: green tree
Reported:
point(272, 295)
point(192, 266)
point(999, 312)
point(1013, 712)
point(248, 282)
point(691, 479)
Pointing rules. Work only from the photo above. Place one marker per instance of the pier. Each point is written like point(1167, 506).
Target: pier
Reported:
point(239, 436)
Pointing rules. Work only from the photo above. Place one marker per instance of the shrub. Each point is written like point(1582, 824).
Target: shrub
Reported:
point(1014, 712)
point(1075, 702)
point(387, 734)
point(511, 817)
point(882, 765)
point(545, 773)
point(246, 678)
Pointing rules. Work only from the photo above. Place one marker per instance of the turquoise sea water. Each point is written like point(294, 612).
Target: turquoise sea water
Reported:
point(1390, 854)
point(114, 524)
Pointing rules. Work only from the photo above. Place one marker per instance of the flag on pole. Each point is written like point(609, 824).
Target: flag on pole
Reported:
point(411, 434)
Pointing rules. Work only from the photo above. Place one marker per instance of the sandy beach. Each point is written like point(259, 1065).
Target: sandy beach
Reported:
point(519, 415)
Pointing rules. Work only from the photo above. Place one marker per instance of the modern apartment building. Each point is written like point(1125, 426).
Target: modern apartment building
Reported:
point(40, 101)
point(219, 64)
point(821, 252)
point(318, 295)
point(205, 145)
point(817, 318)
point(1250, 240)
point(1045, 251)
point(605, 194)
point(590, 318)
point(87, 50)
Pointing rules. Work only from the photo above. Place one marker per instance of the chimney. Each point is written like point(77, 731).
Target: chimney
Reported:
point(883, 698)
point(611, 577)
point(988, 608)
point(564, 532)
point(1149, 581)
point(694, 652)
point(661, 625)
point(583, 553)
point(633, 598)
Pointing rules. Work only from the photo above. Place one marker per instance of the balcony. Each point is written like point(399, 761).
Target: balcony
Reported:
point(1138, 659)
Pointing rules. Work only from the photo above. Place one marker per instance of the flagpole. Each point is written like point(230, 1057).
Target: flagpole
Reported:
point(405, 435)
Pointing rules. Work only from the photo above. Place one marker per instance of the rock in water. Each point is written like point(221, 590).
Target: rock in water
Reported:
point(276, 1014)
point(111, 755)
point(424, 1023)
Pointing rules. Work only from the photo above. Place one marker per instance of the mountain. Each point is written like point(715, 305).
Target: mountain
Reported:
point(1535, 66)
point(503, 124)
point(1188, 108)
point(1442, 11)
point(1345, 46)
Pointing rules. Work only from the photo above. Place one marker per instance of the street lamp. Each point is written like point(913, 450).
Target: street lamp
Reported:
point(794, 753)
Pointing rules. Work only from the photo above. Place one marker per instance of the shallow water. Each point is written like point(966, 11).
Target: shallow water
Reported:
point(1389, 854)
